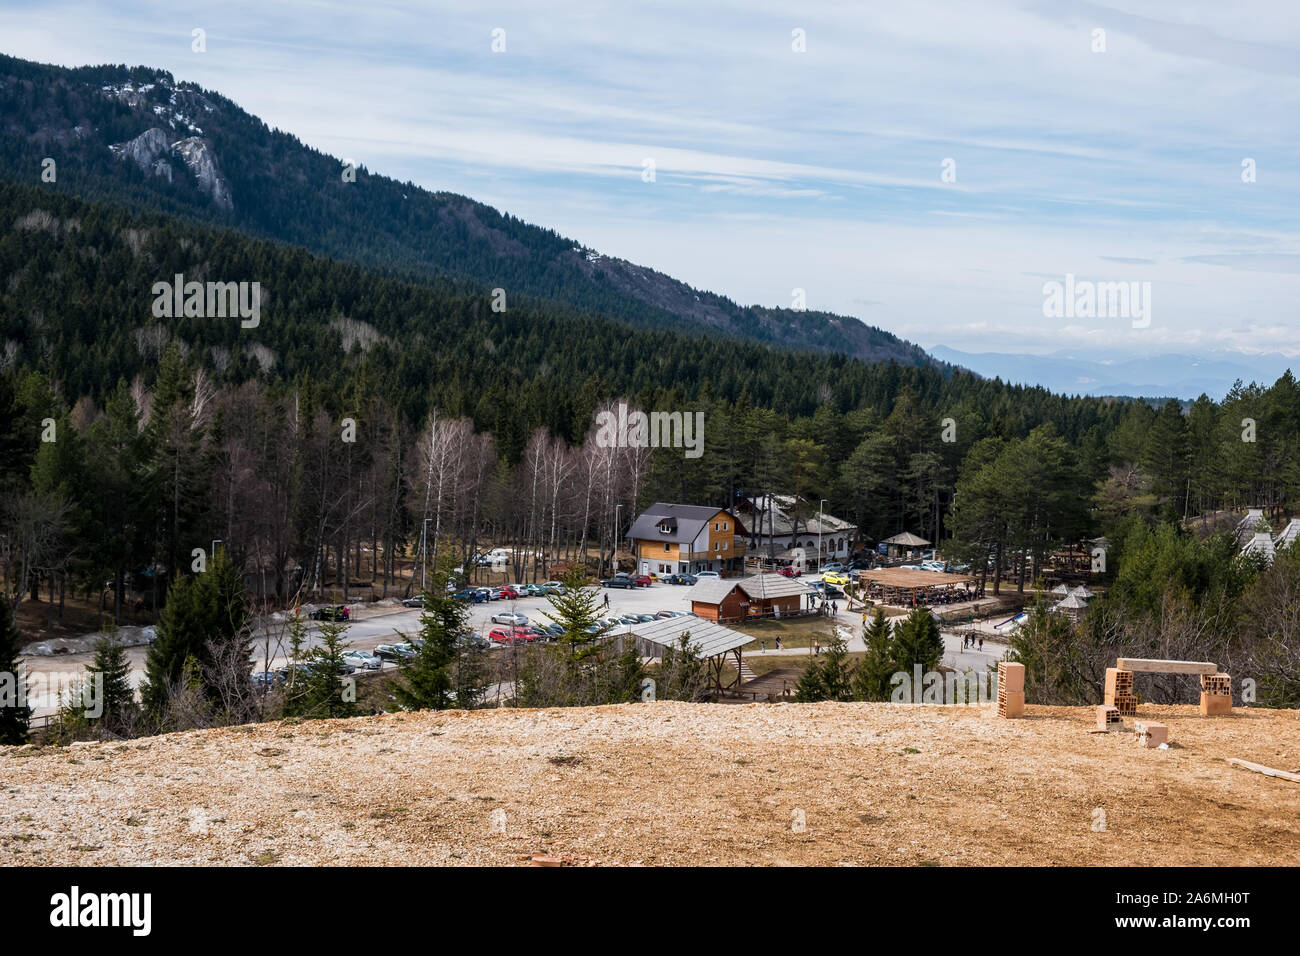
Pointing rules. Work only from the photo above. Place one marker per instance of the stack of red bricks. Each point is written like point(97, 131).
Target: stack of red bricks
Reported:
point(1216, 694)
point(1119, 691)
point(1011, 689)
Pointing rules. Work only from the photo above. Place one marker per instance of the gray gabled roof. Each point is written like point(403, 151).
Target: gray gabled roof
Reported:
point(689, 520)
point(906, 539)
point(772, 517)
point(763, 587)
point(708, 638)
point(711, 590)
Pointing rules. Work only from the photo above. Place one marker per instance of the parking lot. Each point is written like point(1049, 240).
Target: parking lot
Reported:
point(657, 597)
point(372, 630)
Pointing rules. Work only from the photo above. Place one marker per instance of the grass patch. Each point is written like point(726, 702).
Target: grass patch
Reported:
point(794, 632)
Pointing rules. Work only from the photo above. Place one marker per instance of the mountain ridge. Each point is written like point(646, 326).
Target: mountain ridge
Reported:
point(268, 184)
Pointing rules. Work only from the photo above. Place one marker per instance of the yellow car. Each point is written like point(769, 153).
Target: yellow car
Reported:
point(836, 577)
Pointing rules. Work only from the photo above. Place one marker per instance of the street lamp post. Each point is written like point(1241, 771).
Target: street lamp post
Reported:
point(819, 533)
point(618, 510)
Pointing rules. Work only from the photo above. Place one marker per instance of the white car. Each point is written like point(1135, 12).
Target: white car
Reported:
point(510, 617)
point(700, 575)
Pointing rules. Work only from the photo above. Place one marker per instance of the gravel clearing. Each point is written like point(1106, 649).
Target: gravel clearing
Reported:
point(666, 784)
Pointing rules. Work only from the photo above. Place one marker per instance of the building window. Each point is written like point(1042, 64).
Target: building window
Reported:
point(667, 547)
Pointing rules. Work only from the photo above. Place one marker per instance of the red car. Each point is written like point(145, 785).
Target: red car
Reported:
point(511, 635)
point(510, 594)
point(790, 571)
point(642, 580)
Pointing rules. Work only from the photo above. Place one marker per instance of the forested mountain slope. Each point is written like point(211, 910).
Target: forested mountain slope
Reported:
point(137, 137)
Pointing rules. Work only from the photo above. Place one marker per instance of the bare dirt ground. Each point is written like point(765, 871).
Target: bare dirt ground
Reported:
point(669, 784)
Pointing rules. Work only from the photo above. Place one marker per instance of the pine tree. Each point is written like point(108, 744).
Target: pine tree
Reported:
point(207, 610)
point(111, 670)
point(871, 676)
point(828, 677)
point(15, 714)
point(837, 669)
point(428, 681)
point(810, 688)
point(324, 692)
point(576, 610)
point(917, 641)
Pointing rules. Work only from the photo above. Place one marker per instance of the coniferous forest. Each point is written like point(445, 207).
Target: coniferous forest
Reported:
point(376, 406)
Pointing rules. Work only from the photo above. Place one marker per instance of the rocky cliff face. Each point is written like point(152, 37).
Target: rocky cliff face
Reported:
point(149, 151)
point(202, 163)
point(152, 151)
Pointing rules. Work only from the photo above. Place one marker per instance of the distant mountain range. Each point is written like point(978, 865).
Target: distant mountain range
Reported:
point(137, 137)
point(1073, 372)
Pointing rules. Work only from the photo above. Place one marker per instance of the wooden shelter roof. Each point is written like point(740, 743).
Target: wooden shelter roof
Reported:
point(912, 580)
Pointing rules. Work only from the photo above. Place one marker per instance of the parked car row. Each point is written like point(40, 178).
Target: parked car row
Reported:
point(626, 581)
point(507, 592)
point(525, 634)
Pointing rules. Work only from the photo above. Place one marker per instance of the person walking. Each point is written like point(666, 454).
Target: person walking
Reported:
point(981, 642)
point(606, 600)
point(778, 642)
point(817, 647)
point(835, 608)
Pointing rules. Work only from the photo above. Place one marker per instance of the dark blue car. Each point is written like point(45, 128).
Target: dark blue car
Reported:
point(473, 595)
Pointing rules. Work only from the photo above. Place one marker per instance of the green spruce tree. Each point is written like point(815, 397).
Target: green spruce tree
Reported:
point(110, 673)
point(871, 676)
point(15, 714)
point(918, 641)
point(428, 681)
point(325, 691)
point(207, 610)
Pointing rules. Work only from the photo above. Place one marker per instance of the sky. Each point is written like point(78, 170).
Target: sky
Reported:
point(804, 146)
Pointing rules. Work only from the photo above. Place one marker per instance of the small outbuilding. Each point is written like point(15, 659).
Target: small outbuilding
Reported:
point(717, 599)
point(774, 595)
